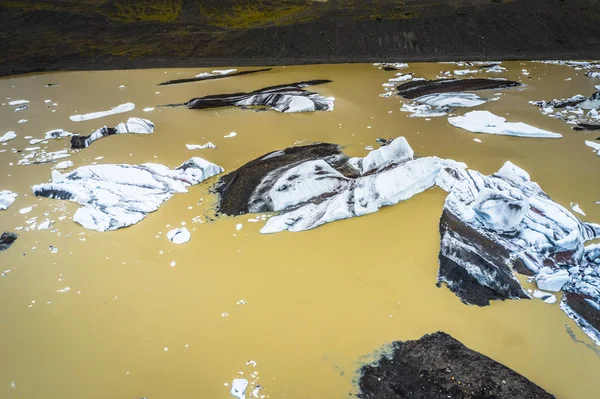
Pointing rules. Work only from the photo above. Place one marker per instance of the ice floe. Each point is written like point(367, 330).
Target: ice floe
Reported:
point(451, 100)
point(6, 199)
point(439, 104)
point(133, 125)
point(460, 72)
point(216, 72)
point(115, 196)
point(119, 109)
point(486, 122)
point(283, 98)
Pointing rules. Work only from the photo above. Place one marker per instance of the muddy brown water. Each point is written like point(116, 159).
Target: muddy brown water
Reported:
point(318, 303)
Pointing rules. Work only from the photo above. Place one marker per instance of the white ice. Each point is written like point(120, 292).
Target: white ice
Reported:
point(115, 196)
point(452, 100)
point(63, 165)
point(18, 102)
point(550, 280)
point(486, 122)
point(179, 236)
point(595, 146)
point(6, 199)
point(389, 175)
point(8, 136)
point(238, 388)
point(119, 109)
point(200, 146)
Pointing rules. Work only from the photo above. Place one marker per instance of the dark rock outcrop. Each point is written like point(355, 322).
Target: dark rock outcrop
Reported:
point(6, 240)
point(438, 366)
point(415, 89)
point(212, 77)
point(283, 98)
point(236, 188)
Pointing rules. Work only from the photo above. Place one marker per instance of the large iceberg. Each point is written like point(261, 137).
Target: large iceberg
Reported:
point(494, 225)
point(324, 185)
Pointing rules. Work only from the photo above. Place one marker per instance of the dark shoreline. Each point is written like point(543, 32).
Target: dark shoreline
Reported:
point(50, 35)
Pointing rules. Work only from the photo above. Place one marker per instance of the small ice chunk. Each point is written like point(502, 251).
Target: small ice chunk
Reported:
point(66, 289)
point(238, 388)
point(461, 72)
point(230, 135)
point(22, 121)
point(592, 144)
point(18, 102)
point(200, 146)
point(25, 210)
point(8, 136)
point(179, 236)
point(64, 165)
point(45, 225)
point(119, 109)
point(57, 134)
point(6, 199)
point(149, 109)
point(544, 296)
point(575, 207)
point(238, 226)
